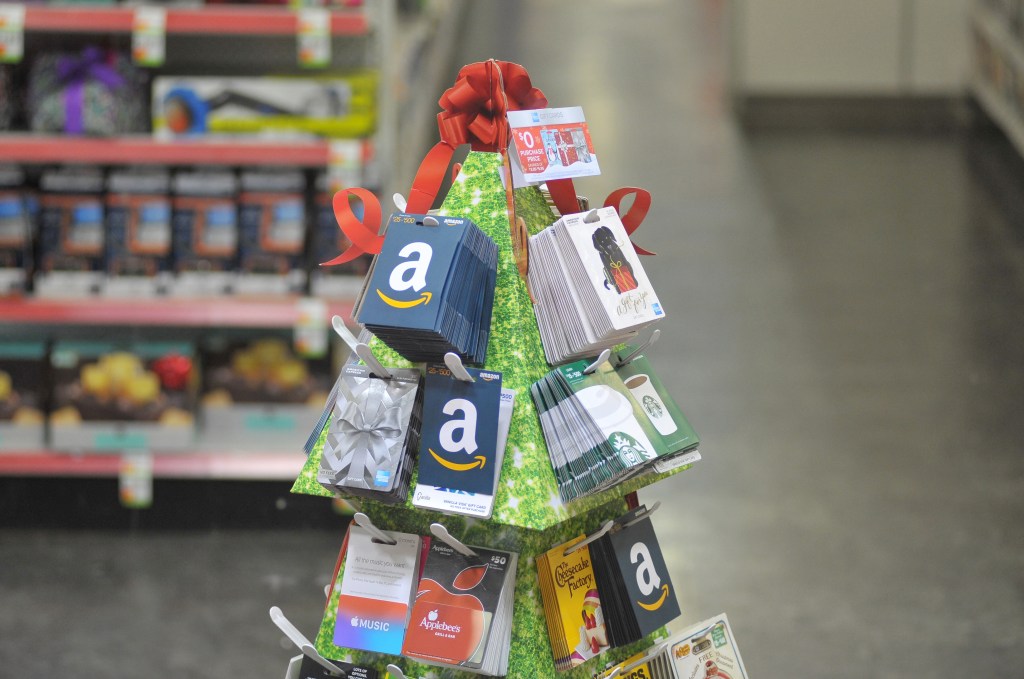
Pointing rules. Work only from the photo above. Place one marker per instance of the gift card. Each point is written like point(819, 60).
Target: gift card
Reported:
point(644, 573)
point(550, 143)
point(460, 430)
point(707, 649)
point(376, 590)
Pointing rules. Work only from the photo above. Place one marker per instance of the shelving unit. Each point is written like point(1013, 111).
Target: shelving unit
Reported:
point(209, 20)
point(997, 81)
point(199, 464)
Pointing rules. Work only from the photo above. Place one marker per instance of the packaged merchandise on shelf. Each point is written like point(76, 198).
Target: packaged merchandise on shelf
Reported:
point(110, 396)
point(271, 232)
point(138, 238)
point(328, 241)
point(16, 231)
point(204, 233)
point(430, 291)
point(7, 97)
point(374, 434)
point(591, 291)
point(23, 391)
point(268, 107)
point(71, 261)
point(97, 92)
point(258, 395)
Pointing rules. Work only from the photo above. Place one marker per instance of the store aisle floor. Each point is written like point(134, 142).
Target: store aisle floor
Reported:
point(844, 331)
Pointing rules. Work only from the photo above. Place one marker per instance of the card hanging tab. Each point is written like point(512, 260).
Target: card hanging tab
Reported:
point(591, 538)
point(442, 534)
point(605, 355)
point(642, 515)
point(363, 352)
point(364, 522)
point(628, 358)
point(344, 333)
point(300, 640)
point(454, 363)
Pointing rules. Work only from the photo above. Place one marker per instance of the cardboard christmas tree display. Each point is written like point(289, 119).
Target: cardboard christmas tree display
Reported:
point(529, 517)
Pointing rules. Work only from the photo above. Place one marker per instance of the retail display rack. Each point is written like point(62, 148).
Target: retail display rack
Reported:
point(997, 81)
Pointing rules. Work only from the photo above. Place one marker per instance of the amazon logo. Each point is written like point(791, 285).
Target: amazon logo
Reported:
point(458, 436)
point(409, 275)
point(647, 579)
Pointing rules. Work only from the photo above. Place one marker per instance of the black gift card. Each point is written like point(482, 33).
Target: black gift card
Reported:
point(651, 595)
point(311, 669)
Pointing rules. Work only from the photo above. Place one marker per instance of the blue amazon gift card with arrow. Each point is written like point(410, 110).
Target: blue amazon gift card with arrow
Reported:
point(431, 288)
point(460, 430)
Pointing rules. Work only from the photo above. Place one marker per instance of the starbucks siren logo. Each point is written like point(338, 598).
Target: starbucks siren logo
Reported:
point(652, 407)
point(628, 447)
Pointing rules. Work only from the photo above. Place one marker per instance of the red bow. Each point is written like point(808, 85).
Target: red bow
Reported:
point(476, 105)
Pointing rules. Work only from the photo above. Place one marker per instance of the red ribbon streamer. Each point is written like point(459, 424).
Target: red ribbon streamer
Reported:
point(362, 233)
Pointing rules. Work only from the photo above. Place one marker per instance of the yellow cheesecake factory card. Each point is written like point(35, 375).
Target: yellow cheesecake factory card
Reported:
point(577, 604)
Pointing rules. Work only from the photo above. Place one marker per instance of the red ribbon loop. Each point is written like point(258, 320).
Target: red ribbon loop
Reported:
point(637, 211)
point(363, 234)
point(476, 105)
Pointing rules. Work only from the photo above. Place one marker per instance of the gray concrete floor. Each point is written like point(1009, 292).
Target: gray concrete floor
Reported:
point(845, 332)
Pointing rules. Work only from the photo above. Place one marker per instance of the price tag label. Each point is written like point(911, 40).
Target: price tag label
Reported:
point(311, 328)
point(149, 33)
point(551, 143)
point(12, 33)
point(314, 37)
point(135, 480)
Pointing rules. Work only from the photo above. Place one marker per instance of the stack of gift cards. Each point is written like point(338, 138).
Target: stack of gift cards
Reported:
point(603, 424)
point(378, 579)
point(430, 291)
point(572, 604)
point(462, 615)
point(373, 435)
point(706, 650)
point(590, 289)
point(462, 442)
point(636, 593)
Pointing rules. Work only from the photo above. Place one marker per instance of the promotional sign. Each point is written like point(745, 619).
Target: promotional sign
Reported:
point(551, 143)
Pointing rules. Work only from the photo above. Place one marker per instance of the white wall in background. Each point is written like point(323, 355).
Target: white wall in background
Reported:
point(860, 47)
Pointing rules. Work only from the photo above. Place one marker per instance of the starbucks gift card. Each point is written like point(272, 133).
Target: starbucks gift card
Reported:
point(636, 592)
point(430, 291)
point(455, 501)
point(590, 288)
point(601, 431)
point(376, 590)
point(373, 434)
point(462, 614)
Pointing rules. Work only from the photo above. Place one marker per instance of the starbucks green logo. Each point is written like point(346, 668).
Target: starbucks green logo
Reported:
point(628, 447)
point(652, 407)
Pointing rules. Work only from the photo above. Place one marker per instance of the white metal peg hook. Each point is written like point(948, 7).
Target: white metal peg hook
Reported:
point(592, 217)
point(343, 332)
point(395, 672)
point(442, 534)
point(300, 640)
point(454, 363)
point(640, 349)
point(364, 522)
point(400, 202)
point(597, 535)
point(375, 366)
point(605, 355)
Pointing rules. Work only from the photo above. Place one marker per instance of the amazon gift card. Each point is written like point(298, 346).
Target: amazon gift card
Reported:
point(431, 289)
point(460, 430)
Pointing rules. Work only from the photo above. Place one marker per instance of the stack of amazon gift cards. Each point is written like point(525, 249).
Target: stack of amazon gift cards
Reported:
point(591, 291)
point(605, 423)
point(462, 614)
point(462, 444)
point(636, 593)
point(430, 291)
point(374, 434)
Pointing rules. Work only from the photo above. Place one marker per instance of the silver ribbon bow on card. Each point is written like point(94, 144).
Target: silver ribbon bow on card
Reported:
point(367, 427)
